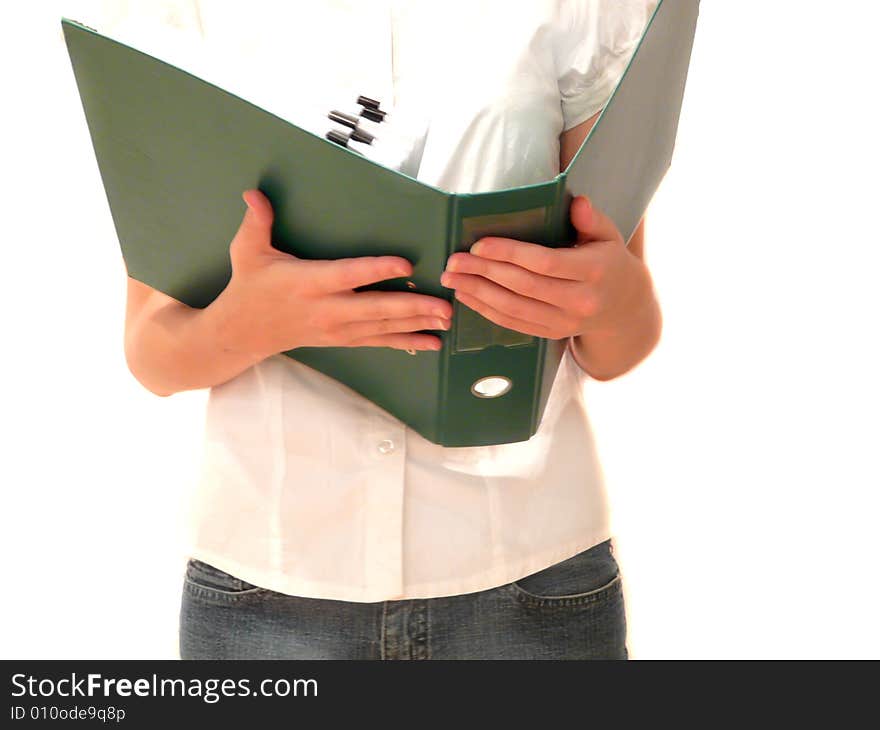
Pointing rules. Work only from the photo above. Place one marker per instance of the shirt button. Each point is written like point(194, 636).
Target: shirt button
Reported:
point(386, 446)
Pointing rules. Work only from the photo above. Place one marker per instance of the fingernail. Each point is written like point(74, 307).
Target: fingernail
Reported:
point(475, 249)
point(445, 279)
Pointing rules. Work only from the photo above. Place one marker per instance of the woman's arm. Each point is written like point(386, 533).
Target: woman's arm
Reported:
point(274, 302)
point(608, 353)
point(170, 347)
point(629, 337)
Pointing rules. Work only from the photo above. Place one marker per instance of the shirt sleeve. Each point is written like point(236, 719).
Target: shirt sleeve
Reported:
point(597, 41)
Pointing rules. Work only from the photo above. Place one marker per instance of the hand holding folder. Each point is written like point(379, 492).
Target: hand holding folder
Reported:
point(307, 303)
point(175, 151)
point(555, 293)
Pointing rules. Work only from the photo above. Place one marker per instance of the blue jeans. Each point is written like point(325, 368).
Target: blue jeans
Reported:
point(571, 610)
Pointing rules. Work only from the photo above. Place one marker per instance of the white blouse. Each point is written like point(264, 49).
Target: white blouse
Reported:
point(307, 487)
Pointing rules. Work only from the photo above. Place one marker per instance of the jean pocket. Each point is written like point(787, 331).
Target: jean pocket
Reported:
point(590, 576)
point(206, 580)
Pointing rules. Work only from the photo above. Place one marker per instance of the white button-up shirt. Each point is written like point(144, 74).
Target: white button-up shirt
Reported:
point(307, 487)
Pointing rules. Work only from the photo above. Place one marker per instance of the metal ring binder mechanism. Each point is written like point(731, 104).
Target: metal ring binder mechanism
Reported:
point(351, 122)
point(371, 109)
point(388, 145)
point(162, 136)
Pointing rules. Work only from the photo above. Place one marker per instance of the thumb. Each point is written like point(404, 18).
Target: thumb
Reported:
point(591, 223)
point(254, 235)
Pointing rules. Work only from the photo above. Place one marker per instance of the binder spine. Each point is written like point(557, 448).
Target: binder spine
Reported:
point(560, 232)
point(452, 230)
point(489, 391)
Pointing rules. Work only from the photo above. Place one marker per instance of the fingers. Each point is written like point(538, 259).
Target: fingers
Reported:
point(505, 320)
point(516, 308)
point(382, 319)
point(563, 293)
point(400, 342)
point(359, 331)
point(591, 223)
point(254, 235)
point(532, 256)
point(332, 276)
point(367, 305)
point(259, 207)
point(566, 262)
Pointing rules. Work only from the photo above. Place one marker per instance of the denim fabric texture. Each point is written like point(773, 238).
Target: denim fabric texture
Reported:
point(571, 610)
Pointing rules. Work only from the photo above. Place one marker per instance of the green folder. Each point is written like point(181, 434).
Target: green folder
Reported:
point(175, 153)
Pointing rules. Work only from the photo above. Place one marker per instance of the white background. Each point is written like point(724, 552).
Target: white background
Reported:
point(741, 457)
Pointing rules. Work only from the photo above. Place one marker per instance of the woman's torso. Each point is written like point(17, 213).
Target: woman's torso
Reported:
point(306, 486)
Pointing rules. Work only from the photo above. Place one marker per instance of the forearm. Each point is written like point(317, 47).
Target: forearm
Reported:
point(614, 350)
point(177, 348)
point(629, 336)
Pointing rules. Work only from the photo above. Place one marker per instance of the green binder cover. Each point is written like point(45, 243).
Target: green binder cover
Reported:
point(175, 152)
